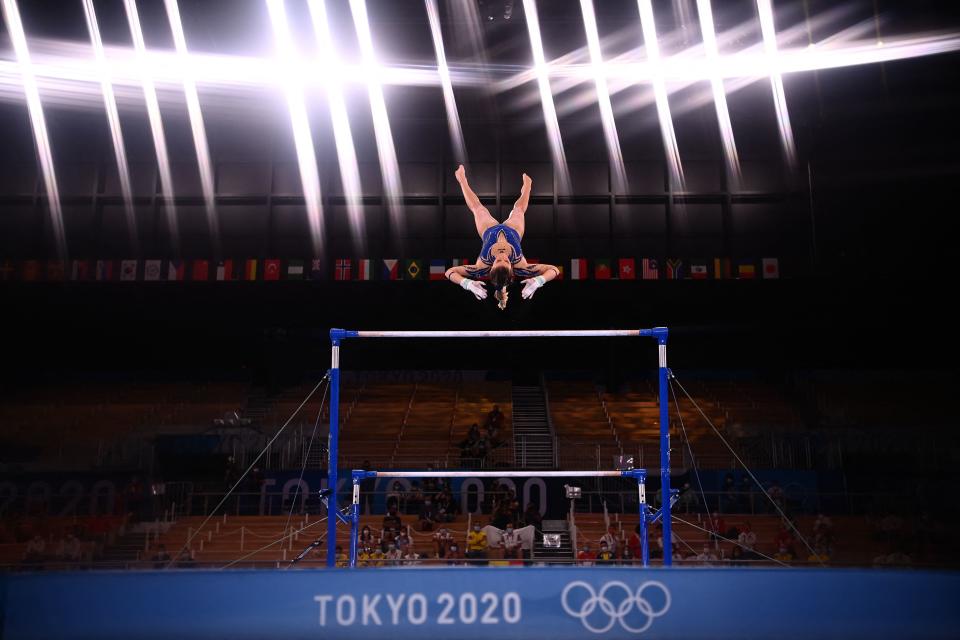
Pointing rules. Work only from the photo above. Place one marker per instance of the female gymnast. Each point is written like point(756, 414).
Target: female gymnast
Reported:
point(501, 257)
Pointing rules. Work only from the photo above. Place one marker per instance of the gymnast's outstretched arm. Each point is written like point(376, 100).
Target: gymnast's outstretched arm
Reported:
point(460, 276)
point(547, 272)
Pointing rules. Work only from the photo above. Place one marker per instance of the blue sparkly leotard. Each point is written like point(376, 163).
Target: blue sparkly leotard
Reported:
point(489, 239)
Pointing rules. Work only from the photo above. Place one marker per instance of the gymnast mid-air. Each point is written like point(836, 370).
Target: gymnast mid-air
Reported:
point(501, 257)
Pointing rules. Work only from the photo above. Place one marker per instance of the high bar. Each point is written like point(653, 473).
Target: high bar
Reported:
point(338, 334)
point(502, 474)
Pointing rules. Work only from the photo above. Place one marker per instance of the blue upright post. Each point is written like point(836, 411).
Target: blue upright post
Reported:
point(660, 333)
point(355, 516)
point(644, 515)
point(332, 444)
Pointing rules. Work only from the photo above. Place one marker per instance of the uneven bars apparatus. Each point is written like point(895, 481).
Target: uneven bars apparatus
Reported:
point(659, 333)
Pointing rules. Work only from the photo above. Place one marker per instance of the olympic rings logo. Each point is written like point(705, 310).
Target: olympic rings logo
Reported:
point(615, 612)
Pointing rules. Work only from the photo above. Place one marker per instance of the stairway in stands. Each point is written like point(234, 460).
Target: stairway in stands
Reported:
point(533, 443)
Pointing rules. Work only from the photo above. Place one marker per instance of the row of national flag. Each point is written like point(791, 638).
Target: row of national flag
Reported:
point(369, 269)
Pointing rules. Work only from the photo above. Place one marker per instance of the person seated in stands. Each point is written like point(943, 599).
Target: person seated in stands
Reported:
point(392, 554)
point(747, 538)
point(634, 544)
point(365, 556)
point(161, 558)
point(388, 535)
point(186, 559)
point(784, 539)
point(586, 557)
point(454, 555)
point(392, 519)
point(442, 540)
point(415, 498)
point(510, 543)
point(402, 541)
point(494, 420)
point(446, 509)
point(784, 554)
point(396, 498)
point(36, 550)
point(628, 558)
point(502, 516)
point(428, 515)
point(477, 545)
point(819, 556)
point(610, 539)
point(411, 557)
point(674, 546)
point(532, 517)
point(342, 559)
point(707, 556)
point(823, 531)
point(606, 555)
point(69, 549)
point(365, 538)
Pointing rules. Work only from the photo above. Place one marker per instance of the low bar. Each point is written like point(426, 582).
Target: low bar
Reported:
point(339, 334)
point(501, 474)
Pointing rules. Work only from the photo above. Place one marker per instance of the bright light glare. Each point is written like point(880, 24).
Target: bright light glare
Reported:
point(618, 172)
point(11, 15)
point(769, 31)
point(343, 138)
point(289, 67)
point(381, 122)
point(660, 94)
point(196, 124)
point(113, 120)
point(546, 98)
point(156, 123)
point(719, 95)
point(449, 101)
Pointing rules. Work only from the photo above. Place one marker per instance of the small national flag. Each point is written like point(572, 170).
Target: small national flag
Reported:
point(363, 269)
point(201, 271)
point(342, 269)
point(151, 270)
point(271, 269)
point(721, 268)
point(55, 271)
point(578, 269)
point(225, 271)
point(698, 271)
point(128, 270)
point(651, 269)
point(747, 271)
point(7, 270)
point(175, 270)
point(31, 271)
point(674, 269)
point(316, 272)
point(413, 270)
point(391, 269)
point(467, 262)
point(437, 269)
point(601, 270)
point(295, 270)
point(771, 268)
point(79, 270)
point(104, 270)
point(250, 270)
point(628, 269)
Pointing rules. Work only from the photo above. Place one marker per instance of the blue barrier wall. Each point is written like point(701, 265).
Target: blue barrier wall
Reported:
point(467, 603)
